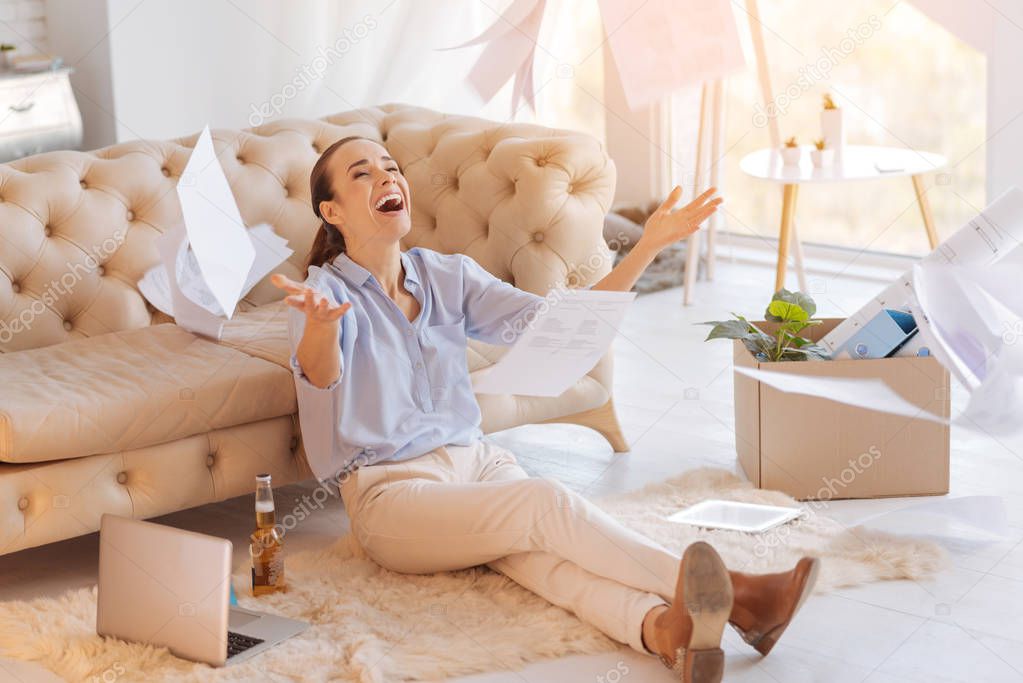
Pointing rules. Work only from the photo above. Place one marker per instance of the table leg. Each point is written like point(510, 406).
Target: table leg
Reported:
point(788, 210)
point(797, 256)
point(925, 210)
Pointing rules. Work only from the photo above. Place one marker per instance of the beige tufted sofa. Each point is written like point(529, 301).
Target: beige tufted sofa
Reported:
point(107, 406)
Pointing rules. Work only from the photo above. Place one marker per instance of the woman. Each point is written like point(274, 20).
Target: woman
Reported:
point(386, 405)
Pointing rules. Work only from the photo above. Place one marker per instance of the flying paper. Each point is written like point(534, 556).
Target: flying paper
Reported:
point(211, 260)
point(968, 305)
point(563, 342)
point(216, 233)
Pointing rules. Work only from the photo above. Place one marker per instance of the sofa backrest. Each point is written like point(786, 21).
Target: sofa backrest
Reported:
point(77, 229)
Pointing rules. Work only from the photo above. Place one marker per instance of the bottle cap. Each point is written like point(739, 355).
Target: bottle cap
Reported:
point(263, 477)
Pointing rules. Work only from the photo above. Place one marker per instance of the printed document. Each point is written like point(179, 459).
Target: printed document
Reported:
point(561, 340)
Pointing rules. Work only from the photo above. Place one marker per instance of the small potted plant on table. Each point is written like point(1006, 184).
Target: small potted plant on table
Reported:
point(791, 152)
point(821, 155)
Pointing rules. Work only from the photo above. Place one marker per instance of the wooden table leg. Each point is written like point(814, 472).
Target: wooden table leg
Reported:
point(925, 210)
point(797, 256)
point(788, 210)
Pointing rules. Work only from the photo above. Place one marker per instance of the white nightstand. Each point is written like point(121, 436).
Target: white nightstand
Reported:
point(38, 113)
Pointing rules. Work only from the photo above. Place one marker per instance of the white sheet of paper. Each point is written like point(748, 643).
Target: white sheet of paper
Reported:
point(564, 341)
point(271, 250)
point(216, 233)
point(993, 408)
point(973, 518)
point(990, 236)
point(660, 46)
point(872, 394)
point(187, 313)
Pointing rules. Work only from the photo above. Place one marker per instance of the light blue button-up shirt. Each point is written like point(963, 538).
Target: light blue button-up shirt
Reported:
point(404, 387)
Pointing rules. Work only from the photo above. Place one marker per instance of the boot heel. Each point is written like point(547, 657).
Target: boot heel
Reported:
point(707, 592)
point(704, 666)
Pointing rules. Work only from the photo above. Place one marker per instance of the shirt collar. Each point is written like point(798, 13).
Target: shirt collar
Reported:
point(351, 270)
point(358, 275)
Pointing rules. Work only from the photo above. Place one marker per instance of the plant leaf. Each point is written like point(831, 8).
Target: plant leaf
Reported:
point(785, 311)
point(804, 301)
point(759, 344)
point(727, 329)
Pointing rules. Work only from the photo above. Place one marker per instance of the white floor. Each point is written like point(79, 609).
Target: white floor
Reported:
point(674, 398)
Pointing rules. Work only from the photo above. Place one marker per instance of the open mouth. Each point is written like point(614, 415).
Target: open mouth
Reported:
point(390, 203)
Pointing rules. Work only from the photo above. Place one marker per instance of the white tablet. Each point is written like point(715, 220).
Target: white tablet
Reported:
point(735, 516)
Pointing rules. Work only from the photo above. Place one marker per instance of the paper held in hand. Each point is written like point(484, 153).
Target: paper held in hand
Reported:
point(560, 341)
point(211, 260)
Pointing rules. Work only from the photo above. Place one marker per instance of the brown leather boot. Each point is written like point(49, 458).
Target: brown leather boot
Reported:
point(766, 603)
point(691, 627)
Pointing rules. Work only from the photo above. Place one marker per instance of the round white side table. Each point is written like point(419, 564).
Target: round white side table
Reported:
point(857, 162)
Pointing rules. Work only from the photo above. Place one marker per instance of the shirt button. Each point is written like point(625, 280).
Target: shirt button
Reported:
point(409, 331)
point(419, 365)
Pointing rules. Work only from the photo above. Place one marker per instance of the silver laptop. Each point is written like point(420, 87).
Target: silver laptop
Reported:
point(171, 587)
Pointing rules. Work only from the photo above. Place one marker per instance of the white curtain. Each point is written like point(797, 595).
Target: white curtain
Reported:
point(394, 54)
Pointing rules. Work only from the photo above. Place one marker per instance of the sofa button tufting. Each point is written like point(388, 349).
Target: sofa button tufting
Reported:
point(541, 162)
point(294, 443)
point(47, 231)
point(130, 215)
point(83, 184)
point(210, 460)
point(101, 271)
point(23, 503)
point(571, 188)
point(240, 159)
point(165, 171)
point(122, 477)
point(68, 325)
point(538, 236)
point(15, 287)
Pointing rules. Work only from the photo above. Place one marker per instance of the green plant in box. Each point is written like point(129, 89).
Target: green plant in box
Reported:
point(793, 313)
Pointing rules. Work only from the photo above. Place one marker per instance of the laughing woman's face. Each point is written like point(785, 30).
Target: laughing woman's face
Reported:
point(371, 197)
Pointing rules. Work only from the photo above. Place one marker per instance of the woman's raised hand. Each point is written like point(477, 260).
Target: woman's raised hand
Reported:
point(665, 227)
point(315, 306)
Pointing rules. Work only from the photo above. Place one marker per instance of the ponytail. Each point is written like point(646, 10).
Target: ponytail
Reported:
point(327, 246)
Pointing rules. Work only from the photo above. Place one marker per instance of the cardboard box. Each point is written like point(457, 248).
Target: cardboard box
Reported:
point(812, 448)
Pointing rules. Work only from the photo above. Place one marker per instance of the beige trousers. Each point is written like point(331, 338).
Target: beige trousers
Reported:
point(462, 506)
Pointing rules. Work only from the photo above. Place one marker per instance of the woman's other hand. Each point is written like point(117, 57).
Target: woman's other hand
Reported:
point(666, 226)
point(316, 307)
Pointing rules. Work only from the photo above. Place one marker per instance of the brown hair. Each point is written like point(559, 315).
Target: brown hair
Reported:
point(329, 242)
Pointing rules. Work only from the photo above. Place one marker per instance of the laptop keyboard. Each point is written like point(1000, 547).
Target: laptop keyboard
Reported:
point(236, 643)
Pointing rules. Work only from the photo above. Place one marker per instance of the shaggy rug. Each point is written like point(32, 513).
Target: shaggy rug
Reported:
point(370, 625)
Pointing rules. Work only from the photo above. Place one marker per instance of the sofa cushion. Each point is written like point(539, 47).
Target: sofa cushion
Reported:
point(260, 331)
point(131, 389)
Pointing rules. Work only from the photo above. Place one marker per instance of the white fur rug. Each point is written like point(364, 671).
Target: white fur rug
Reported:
point(372, 625)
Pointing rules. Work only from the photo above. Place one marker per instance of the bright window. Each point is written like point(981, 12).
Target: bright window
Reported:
point(905, 82)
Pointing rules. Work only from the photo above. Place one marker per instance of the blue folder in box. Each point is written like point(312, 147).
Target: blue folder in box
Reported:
point(882, 336)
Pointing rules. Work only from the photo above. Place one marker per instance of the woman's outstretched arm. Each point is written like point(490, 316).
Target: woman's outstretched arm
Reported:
point(663, 228)
point(318, 351)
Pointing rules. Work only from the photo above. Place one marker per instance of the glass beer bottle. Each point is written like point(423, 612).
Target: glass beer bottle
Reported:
point(266, 545)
